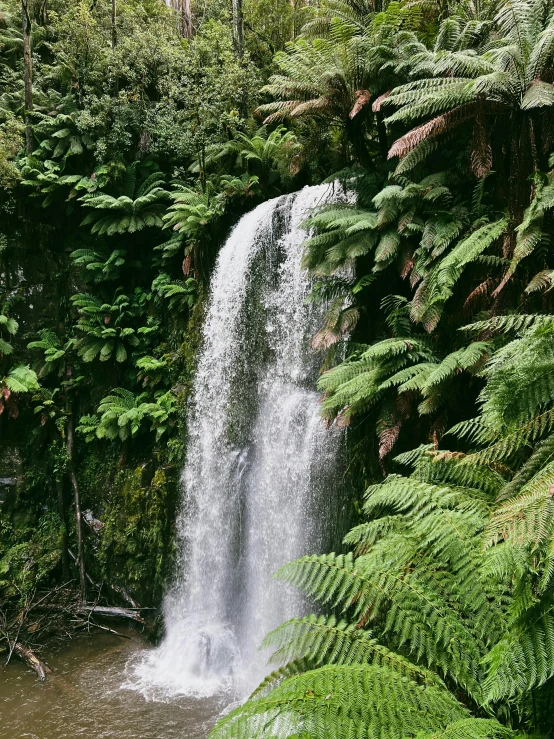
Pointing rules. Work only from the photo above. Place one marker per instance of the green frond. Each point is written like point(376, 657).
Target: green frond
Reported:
point(337, 702)
point(326, 640)
point(471, 728)
point(21, 379)
point(524, 658)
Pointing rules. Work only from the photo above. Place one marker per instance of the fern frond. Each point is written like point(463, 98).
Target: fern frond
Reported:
point(336, 702)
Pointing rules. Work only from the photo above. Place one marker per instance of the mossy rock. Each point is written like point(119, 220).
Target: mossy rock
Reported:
point(135, 546)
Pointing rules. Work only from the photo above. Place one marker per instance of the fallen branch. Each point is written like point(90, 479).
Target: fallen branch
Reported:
point(31, 660)
point(117, 589)
point(112, 612)
point(80, 609)
point(88, 624)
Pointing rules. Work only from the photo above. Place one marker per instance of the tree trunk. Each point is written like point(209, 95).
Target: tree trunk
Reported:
point(78, 514)
point(186, 19)
point(114, 23)
point(238, 28)
point(65, 543)
point(43, 12)
point(294, 25)
point(28, 74)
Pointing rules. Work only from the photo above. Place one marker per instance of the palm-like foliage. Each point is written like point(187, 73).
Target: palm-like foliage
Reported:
point(101, 264)
point(19, 380)
point(332, 80)
point(480, 619)
point(47, 178)
point(446, 588)
point(54, 353)
point(141, 205)
point(106, 329)
point(418, 575)
point(429, 235)
point(503, 87)
point(352, 15)
point(193, 216)
point(60, 136)
point(269, 155)
point(177, 293)
point(535, 232)
point(123, 414)
point(406, 366)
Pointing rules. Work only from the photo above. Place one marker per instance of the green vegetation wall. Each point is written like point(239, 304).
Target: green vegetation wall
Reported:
point(127, 151)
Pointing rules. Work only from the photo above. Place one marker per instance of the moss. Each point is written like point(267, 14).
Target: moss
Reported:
point(135, 547)
point(132, 488)
point(29, 552)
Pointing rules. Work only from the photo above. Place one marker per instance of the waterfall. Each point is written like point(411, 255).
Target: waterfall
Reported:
point(260, 465)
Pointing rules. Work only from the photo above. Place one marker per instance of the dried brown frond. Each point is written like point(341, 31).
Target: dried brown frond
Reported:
point(407, 262)
point(388, 438)
point(391, 425)
point(431, 318)
point(187, 264)
point(476, 298)
point(8, 402)
point(508, 247)
point(378, 102)
point(440, 455)
point(339, 322)
point(438, 429)
point(362, 99)
point(438, 126)
point(419, 300)
point(405, 220)
point(295, 164)
point(342, 421)
point(324, 338)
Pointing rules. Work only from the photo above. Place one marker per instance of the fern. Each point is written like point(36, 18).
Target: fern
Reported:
point(343, 701)
point(21, 379)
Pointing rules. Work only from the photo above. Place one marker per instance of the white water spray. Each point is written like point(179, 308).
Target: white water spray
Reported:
point(259, 467)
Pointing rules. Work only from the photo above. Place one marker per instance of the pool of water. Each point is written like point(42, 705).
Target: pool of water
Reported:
point(86, 697)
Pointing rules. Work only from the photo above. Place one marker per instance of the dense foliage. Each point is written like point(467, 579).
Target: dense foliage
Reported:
point(128, 148)
point(140, 141)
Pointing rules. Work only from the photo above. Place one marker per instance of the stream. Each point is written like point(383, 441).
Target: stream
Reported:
point(85, 697)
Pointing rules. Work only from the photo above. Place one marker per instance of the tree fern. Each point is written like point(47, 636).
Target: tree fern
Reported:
point(339, 702)
point(327, 640)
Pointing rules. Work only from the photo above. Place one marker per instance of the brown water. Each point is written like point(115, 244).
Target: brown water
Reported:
point(84, 698)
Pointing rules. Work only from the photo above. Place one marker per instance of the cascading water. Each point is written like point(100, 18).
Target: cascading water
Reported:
point(260, 464)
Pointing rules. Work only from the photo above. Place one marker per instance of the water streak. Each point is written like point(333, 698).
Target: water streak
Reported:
point(260, 464)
